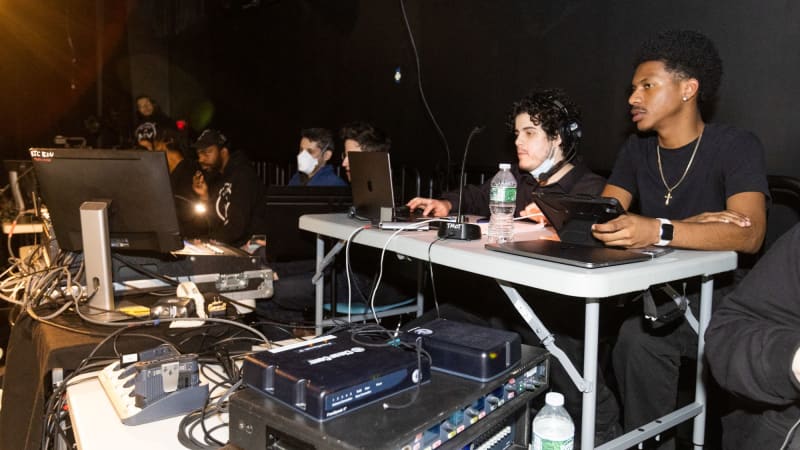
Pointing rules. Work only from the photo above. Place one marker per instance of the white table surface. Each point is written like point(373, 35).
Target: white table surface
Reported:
point(471, 256)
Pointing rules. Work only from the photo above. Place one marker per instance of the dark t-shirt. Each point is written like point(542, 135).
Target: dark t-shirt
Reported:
point(728, 161)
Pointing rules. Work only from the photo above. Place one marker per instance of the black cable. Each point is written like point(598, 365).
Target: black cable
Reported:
point(415, 395)
point(143, 271)
point(203, 422)
point(422, 94)
point(789, 435)
point(433, 281)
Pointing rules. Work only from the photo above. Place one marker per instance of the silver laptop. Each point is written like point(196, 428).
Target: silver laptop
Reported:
point(372, 187)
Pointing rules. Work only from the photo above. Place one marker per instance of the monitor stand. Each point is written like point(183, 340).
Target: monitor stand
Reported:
point(97, 262)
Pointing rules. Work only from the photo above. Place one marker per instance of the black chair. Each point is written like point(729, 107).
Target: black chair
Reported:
point(285, 205)
point(784, 212)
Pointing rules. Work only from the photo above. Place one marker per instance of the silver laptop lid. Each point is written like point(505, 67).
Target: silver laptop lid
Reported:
point(371, 182)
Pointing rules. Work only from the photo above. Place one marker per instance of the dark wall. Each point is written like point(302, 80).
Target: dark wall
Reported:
point(263, 72)
point(49, 59)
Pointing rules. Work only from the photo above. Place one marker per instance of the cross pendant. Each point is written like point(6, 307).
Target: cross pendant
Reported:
point(667, 198)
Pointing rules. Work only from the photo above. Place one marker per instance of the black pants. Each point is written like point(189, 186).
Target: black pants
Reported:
point(647, 359)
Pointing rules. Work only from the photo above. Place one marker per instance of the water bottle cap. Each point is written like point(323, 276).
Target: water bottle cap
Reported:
point(504, 166)
point(554, 399)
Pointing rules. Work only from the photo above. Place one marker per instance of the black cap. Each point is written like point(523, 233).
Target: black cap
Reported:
point(210, 137)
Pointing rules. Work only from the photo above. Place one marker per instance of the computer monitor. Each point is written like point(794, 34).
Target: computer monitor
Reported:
point(103, 199)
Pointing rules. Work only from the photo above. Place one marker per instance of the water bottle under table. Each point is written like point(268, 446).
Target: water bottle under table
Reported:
point(552, 427)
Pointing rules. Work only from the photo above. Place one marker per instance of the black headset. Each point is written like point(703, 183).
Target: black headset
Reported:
point(570, 132)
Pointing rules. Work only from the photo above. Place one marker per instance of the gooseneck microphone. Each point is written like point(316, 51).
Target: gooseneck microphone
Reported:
point(460, 229)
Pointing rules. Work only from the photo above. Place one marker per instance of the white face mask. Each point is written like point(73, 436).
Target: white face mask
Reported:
point(306, 163)
point(546, 165)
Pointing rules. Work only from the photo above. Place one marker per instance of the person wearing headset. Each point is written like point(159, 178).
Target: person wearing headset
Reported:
point(547, 128)
point(316, 149)
point(698, 185)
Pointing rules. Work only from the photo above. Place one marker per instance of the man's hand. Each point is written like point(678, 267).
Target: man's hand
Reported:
point(429, 206)
point(199, 185)
point(532, 212)
point(726, 216)
point(628, 230)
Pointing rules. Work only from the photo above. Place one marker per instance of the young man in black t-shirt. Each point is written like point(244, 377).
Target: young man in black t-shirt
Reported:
point(697, 185)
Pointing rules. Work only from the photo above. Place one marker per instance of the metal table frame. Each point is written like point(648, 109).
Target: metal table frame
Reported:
point(590, 284)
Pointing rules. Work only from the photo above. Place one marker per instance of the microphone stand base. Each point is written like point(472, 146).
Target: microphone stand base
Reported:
point(461, 231)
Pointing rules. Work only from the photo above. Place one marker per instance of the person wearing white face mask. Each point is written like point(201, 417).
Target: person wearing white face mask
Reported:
point(316, 148)
point(547, 129)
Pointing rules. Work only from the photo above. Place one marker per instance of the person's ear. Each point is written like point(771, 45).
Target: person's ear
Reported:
point(326, 155)
point(689, 88)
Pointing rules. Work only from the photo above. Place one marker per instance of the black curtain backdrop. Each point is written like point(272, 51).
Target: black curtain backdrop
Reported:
point(262, 70)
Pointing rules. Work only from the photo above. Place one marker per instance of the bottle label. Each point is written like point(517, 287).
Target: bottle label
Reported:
point(503, 194)
point(540, 443)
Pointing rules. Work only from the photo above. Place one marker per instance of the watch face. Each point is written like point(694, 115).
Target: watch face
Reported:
point(666, 231)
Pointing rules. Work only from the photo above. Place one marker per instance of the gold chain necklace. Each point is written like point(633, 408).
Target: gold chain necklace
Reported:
point(668, 196)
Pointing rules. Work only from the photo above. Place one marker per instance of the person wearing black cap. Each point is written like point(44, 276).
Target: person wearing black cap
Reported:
point(232, 189)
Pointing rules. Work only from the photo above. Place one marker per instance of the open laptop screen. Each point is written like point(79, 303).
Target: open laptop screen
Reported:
point(371, 182)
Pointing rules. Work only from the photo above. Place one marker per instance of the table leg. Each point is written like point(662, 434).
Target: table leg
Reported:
point(591, 331)
point(706, 300)
point(530, 318)
point(320, 286)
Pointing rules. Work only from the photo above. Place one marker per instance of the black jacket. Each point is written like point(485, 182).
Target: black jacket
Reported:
point(579, 180)
point(238, 202)
point(750, 342)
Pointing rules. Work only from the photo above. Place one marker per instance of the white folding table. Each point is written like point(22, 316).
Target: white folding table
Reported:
point(592, 285)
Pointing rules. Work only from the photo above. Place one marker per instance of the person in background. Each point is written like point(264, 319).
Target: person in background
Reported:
point(294, 298)
point(753, 350)
point(698, 185)
point(147, 110)
point(362, 137)
point(192, 219)
point(546, 124)
point(316, 149)
point(229, 185)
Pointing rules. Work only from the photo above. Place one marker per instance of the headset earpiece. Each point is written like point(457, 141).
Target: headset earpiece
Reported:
point(570, 131)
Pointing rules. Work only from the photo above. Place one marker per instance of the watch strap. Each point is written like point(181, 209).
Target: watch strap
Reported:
point(664, 238)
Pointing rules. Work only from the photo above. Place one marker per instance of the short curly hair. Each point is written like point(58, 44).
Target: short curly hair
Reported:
point(543, 107)
point(369, 138)
point(688, 54)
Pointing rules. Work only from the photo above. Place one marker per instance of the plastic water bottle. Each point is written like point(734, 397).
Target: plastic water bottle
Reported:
point(552, 427)
point(502, 202)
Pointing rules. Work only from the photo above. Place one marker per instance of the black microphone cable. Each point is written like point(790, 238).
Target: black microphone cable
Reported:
point(422, 95)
